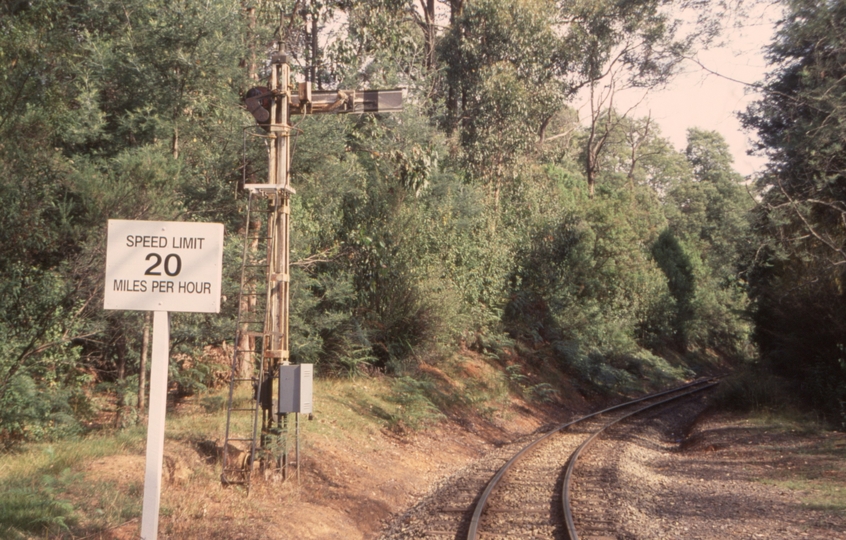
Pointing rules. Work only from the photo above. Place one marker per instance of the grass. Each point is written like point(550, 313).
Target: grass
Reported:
point(818, 490)
point(822, 476)
point(86, 486)
point(38, 485)
point(786, 420)
point(59, 490)
point(815, 466)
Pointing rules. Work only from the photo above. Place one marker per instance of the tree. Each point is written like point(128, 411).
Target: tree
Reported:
point(43, 221)
point(708, 217)
point(108, 110)
point(511, 65)
point(798, 271)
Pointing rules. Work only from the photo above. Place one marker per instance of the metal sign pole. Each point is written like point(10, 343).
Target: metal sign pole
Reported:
point(156, 425)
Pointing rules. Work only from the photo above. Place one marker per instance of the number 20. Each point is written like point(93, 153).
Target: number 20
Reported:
point(152, 270)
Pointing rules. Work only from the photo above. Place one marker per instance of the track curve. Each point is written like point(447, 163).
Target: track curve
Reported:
point(515, 491)
point(572, 533)
point(534, 497)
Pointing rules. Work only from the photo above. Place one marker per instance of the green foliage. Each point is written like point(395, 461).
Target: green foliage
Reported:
point(91, 92)
point(463, 220)
point(750, 389)
point(415, 408)
point(382, 45)
point(33, 411)
point(702, 251)
point(28, 510)
point(40, 487)
point(798, 271)
point(506, 61)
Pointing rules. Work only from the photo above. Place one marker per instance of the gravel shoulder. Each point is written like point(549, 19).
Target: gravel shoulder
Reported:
point(703, 476)
point(731, 477)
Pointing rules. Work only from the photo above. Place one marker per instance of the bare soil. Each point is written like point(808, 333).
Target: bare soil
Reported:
point(346, 490)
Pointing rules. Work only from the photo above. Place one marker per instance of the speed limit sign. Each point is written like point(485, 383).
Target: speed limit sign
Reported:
point(164, 266)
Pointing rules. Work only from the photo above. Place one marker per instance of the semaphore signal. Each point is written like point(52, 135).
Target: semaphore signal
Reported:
point(266, 445)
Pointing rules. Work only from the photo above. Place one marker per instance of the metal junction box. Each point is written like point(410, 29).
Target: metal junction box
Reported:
point(295, 386)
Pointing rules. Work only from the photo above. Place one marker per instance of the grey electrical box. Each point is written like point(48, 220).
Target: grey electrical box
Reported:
point(295, 385)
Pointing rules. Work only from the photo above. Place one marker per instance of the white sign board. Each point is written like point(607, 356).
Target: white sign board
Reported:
point(164, 266)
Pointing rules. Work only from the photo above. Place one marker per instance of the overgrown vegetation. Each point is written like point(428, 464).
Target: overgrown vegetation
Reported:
point(797, 272)
point(486, 216)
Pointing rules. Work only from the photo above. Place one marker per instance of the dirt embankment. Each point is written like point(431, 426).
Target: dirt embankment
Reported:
point(731, 477)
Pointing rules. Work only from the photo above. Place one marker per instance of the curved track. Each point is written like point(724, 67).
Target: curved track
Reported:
point(516, 491)
point(566, 495)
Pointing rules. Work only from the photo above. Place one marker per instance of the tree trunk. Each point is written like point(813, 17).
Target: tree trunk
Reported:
point(455, 9)
point(542, 130)
point(314, 52)
point(120, 352)
point(591, 180)
point(175, 144)
point(252, 70)
point(429, 34)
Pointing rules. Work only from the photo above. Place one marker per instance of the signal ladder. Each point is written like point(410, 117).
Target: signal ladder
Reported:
point(245, 441)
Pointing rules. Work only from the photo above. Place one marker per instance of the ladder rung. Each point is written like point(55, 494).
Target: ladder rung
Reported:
point(251, 409)
point(239, 439)
point(243, 379)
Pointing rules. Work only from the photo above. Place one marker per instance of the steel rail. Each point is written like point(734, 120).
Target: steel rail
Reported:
point(473, 532)
point(574, 457)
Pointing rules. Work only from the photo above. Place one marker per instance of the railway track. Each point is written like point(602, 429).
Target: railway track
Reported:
point(522, 490)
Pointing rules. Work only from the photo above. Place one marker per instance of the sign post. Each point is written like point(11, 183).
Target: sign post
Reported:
point(155, 426)
point(161, 266)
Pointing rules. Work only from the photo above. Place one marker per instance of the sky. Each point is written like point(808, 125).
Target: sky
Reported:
point(697, 98)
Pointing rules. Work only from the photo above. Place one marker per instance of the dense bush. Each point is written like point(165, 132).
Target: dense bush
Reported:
point(483, 215)
point(798, 270)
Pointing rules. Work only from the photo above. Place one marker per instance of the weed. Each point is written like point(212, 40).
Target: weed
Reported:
point(515, 375)
point(213, 403)
point(33, 509)
point(542, 392)
point(415, 408)
point(815, 489)
point(754, 390)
